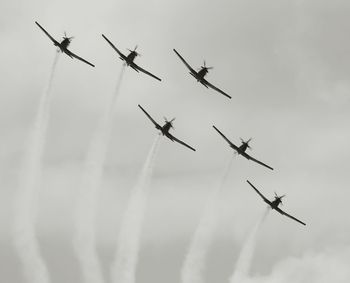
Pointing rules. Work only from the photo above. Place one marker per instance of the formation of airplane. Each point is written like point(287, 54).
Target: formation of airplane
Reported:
point(199, 76)
point(129, 59)
point(275, 203)
point(166, 128)
point(241, 150)
point(63, 45)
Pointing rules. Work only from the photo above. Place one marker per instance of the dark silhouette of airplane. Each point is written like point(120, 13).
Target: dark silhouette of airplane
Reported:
point(199, 76)
point(166, 128)
point(129, 60)
point(242, 149)
point(275, 203)
point(63, 45)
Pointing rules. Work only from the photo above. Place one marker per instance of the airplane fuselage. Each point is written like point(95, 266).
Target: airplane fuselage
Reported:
point(202, 73)
point(130, 58)
point(199, 76)
point(242, 148)
point(275, 203)
point(65, 42)
point(166, 128)
point(63, 45)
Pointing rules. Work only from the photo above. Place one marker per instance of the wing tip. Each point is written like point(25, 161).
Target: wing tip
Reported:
point(251, 184)
point(218, 131)
point(38, 25)
point(297, 220)
point(143, 110)
point(92, 65)
point(177, 53)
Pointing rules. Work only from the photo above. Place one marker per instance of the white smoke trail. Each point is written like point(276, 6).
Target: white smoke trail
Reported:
point(194, 264)
point(25, 205)
point(246, 255)
point(126, 257)
point(85, 218)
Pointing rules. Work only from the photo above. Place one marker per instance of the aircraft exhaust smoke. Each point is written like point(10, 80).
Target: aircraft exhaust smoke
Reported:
point(246, 255)
point(85, 218)
point(25, 204)
point(127, 252)
point(194, 264)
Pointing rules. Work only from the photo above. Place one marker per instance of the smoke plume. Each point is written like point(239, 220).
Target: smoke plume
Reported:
point(85, 226)
point(126, 257)
point(194, 264)
point(246, 256)
point(25, 239)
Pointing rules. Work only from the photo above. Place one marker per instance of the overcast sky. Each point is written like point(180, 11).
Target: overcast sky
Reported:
point(286, 65)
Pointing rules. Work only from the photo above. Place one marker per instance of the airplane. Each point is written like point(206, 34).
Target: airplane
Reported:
point(63, 45)
point(166, 128)
point(275, 203)
point(242, 149)
point(199, 76)
point(129, 60)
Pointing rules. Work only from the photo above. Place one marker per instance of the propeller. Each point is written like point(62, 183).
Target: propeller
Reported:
point(137, 54)
point(246, 142)
point(69, 38)
point(279, 197)
point(205, 66)
point(171, 121)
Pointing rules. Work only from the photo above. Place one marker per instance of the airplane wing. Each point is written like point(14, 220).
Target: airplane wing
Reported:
point(204, 81)
point(52, 39)
point(115, 48)
point(149, 116)
point(133, 65)
point(71, 54)
point(290, 216)
point(260, 194)
point(230, 143)
point(170, 136)
point(246, 155)
point(183, 60)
